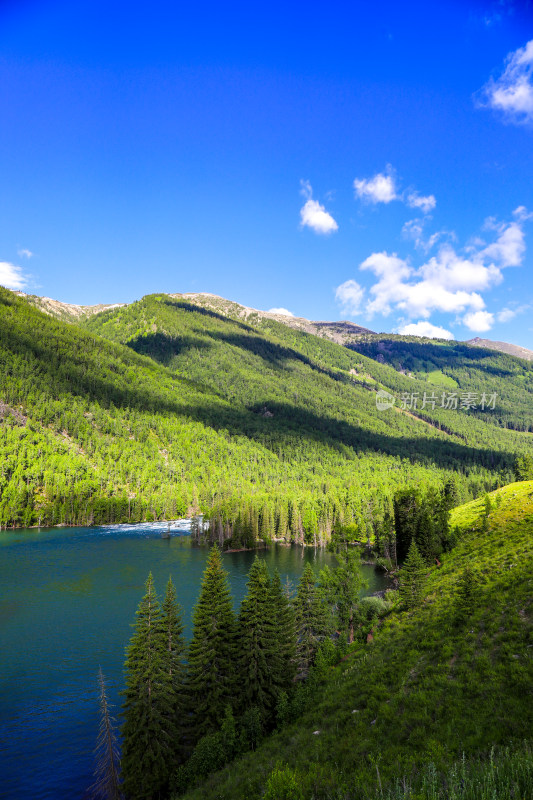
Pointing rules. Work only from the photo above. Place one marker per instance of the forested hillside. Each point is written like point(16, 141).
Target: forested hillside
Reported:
point(186, 411)
point(418, 707)
point(460, 366)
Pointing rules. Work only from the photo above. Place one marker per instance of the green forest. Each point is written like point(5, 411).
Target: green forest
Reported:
point(260, 432)
point(164, 409)
point(424, 692)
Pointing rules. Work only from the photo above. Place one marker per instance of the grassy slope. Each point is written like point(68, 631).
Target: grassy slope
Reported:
point(427, 688)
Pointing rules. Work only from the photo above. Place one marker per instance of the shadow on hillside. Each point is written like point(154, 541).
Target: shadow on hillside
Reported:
point(207, 312)
point(276, 425)
point(62, 360)
point(453, 355)
point(162, 347)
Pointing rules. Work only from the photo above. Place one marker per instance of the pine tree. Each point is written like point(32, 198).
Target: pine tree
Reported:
point(107, 785)
point(342, 588)
point(413, 576)
point(260, 659)
point(173, 664)
point(285, 627)
point(311, 622)
point(212, 651)
point(146, 749)
point(467, 588)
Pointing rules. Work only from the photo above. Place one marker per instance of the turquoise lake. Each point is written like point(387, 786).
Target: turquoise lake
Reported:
point(67, 601)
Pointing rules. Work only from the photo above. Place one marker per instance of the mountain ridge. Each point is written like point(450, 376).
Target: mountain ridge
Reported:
point(343, 332)
point(503, 347)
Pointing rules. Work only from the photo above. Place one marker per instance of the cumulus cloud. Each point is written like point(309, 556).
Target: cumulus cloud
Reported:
point(283, 311)
point(350, 296)
point(424, 328)
point(425, 204)
point(509, 247)
point(479, 321)
point(450, 281)
point(24, 253)
point(512, 92)
point(383, 188)
point(379, 189)
point(313, 215)
point(12, 276)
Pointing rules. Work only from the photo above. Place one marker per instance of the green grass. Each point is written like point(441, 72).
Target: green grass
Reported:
point(438, 378)
point(429, 688)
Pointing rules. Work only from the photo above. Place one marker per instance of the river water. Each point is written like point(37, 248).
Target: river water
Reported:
point(67, 601)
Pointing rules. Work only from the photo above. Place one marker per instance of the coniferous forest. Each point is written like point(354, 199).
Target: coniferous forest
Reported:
point(164, 409)
point(262, 433)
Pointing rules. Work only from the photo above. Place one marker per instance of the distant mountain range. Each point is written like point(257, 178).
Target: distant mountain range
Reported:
point(342, 331)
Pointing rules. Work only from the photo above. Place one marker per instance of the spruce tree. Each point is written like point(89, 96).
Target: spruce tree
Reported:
point(342, 588)
point(413, 576)
point(260, 659)
point(146, 749)
point(173, 662)
point(285, 627)
point(107, 784)
point(465, 598)
point(212, 651)
point(311, 621)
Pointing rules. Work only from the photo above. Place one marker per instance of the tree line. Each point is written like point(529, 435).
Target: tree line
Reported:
point(189, 708)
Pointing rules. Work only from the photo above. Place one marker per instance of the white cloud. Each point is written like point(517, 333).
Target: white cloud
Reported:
point(350, 296)
point(313, 215)
point(425, 204)
point(451, 271)
point(414, 230)
point(479, 321)
point(11, 276)
point(507, 314)
point(424, 328)
point(23, 253)
point(379, 189)
point(412, 291)
point(284, 312)
point(450, 281)
point(382, 188)
point(509, 247)
point(512, 92)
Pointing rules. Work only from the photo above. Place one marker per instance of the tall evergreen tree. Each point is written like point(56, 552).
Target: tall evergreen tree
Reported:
point(212, 651)
point(465, 597)
point(260, 658)
point(311, 621)
point(107, 784)
point(173, 662)
point(342, 588)
point(285, 627)
point(413, 577)
point(146, 732)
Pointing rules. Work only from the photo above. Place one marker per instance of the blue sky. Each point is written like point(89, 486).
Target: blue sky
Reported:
point(372, 162)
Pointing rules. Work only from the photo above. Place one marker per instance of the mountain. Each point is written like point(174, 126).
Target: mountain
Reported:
point(450, 366)
point(502, 347)
point(416, 710)
point(341, 332)
point(165, 407)
point(66, 311)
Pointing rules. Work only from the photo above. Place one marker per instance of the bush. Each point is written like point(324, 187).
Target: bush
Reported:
point(283, 784)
